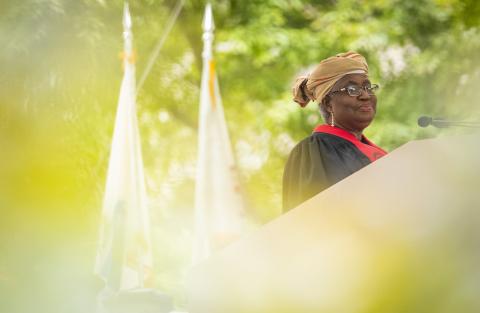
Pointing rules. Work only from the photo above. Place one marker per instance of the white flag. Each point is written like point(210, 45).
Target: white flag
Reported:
point(124, 259)
point(218, 201)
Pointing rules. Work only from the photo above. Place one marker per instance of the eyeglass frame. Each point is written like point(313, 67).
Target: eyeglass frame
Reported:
point(368, 89)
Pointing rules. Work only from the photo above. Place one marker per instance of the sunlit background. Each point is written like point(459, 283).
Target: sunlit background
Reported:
point(60, 76)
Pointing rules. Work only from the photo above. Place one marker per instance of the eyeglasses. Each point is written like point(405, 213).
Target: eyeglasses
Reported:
point(355, 91)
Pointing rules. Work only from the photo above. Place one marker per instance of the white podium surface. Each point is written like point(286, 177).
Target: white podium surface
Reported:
point(400, 235)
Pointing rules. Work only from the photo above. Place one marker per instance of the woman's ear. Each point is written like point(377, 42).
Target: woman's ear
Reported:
point(327, 103)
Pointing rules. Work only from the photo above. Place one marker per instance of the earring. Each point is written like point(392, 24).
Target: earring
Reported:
point(332, 122)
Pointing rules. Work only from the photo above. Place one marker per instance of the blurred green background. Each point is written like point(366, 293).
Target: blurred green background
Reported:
point(60, 75)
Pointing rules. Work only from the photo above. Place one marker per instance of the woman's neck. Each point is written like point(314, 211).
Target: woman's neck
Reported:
point(356, 133)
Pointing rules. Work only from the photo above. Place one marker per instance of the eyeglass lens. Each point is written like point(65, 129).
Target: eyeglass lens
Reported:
point(357, 90)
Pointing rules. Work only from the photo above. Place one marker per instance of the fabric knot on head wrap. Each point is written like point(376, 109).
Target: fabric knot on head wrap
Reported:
point(321, 80)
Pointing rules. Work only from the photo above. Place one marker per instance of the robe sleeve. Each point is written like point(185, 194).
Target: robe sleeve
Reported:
point(304, 174)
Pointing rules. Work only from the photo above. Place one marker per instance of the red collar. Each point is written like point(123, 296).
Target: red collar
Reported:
point(368, 148)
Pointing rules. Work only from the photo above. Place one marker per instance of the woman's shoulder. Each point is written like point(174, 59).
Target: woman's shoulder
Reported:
point(312, 147)
point(316, 139)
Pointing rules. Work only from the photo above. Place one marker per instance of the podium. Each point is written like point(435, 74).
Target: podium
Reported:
point(400, 235)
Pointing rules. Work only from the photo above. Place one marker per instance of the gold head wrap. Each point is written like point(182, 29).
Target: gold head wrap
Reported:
point(321, 80)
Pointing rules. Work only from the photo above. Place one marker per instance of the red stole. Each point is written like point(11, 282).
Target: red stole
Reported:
point(368, 148)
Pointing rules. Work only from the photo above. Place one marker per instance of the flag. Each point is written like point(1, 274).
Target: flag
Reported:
point(124, 258)
point(218, 201)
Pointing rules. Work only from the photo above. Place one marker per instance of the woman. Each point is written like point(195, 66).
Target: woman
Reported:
point(337, 149)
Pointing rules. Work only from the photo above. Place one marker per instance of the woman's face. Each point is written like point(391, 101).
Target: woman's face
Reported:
point(352, 113)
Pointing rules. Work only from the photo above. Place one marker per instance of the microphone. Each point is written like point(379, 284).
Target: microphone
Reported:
point(424, 121)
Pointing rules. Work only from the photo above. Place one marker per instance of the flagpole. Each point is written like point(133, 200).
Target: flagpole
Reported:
point(218, 201)
point(208, 36)
point(125, 247)
point(127, 31)
point(125, 257)
point(201, 244)
point(129, 60)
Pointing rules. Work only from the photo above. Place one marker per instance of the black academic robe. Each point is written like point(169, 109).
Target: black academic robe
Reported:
point(324, 158)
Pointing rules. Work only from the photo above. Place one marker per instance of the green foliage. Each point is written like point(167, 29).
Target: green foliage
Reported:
point(61, 75)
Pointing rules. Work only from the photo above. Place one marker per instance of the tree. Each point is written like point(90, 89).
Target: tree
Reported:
point(60, 79)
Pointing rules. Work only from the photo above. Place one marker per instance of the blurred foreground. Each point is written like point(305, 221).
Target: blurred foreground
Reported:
point(60, 78)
